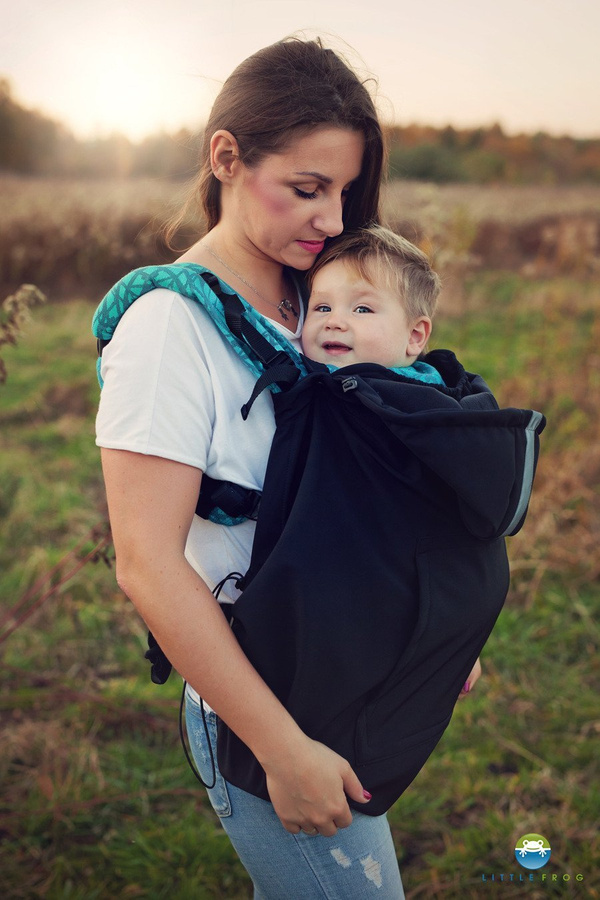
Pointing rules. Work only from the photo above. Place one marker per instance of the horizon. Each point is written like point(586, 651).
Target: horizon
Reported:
point(134, 68)
point(197, 128)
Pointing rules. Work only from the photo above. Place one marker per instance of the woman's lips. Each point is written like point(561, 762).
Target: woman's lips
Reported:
point(312, 246)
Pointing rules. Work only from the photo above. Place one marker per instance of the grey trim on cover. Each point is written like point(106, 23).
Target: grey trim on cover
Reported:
point(528, 472)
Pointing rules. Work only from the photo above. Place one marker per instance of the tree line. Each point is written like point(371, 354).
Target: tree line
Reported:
point(489, 155)
point(34, 144)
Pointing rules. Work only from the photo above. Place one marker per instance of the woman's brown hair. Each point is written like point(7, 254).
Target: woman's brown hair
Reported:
point(278, 94)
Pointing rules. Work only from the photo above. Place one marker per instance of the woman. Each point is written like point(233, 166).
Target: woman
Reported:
point(292, 154)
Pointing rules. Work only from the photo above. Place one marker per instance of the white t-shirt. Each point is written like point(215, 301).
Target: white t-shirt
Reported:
point(173, 387)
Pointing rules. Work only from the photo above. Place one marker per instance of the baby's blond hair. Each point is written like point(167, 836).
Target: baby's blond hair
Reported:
point(380, 255)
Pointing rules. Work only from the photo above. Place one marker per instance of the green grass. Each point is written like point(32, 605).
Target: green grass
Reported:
point(510, 325)
point(97, 801)
point(519, 757)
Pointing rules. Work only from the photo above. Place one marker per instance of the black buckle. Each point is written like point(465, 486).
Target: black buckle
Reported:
point(160, 665)
point(281, 358)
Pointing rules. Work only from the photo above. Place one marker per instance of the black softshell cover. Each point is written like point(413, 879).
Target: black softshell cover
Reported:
point(379, 565)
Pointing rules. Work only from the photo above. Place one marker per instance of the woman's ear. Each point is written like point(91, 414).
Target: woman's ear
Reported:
point(224, 152)
point(419, 335)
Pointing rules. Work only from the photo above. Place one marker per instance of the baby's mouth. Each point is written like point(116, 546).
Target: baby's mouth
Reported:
point(335, 347)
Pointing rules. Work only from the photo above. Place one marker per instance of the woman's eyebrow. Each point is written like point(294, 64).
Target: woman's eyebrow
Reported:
point(317, 175)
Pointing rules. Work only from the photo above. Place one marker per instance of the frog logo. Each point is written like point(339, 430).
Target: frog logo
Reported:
point(532, 851)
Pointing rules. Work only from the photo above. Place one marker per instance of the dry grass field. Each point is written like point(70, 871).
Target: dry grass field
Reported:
point(72, 237)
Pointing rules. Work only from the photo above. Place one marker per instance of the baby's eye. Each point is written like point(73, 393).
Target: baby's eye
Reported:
point(363, 309)
point(306, 195)
point(321, 307)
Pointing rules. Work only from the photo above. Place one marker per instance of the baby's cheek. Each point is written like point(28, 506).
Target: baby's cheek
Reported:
point(306, 341)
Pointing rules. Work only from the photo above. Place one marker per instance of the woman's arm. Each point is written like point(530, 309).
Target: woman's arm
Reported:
point(151, 503)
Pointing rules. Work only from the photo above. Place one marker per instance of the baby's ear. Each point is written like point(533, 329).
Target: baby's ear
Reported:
point(419, 335)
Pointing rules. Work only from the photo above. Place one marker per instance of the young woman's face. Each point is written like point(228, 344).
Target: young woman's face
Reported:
point(352, 321)
point(290, 202)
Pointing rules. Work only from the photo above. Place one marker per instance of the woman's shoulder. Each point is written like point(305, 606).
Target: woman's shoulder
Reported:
point(178, 280)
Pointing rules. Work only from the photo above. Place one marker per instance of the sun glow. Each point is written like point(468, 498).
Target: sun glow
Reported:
point(139, 66)
point(116, 70)
point(129, 90)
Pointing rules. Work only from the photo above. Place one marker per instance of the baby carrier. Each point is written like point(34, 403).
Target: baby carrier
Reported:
point(379, 566)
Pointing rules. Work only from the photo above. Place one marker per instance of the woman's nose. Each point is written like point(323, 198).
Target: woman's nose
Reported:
point(329, 219)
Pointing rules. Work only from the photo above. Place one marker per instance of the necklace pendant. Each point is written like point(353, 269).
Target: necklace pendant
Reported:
point(284, 307)
point(287, 306)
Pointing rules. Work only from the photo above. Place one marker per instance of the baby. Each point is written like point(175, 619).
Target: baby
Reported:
point(373, 295)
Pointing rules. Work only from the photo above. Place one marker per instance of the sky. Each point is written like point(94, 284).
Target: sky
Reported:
point(142, 66)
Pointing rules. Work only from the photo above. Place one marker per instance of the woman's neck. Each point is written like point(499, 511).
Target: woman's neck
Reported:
point(260, 280)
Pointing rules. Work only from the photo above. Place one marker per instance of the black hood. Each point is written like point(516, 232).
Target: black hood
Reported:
point(486, 455)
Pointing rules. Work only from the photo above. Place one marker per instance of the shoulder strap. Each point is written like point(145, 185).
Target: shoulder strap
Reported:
point(279, 367)
point(242, 327)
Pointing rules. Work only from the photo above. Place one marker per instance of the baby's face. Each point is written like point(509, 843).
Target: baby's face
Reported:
point(351, 321)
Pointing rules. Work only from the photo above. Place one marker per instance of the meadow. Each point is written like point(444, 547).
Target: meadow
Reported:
point(96, 799)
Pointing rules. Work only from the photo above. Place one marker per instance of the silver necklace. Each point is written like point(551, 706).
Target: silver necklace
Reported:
point(283, 308)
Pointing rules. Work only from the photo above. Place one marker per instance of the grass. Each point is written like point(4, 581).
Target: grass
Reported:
point(97, 800)
point(518, 758)
point(512, 204)
point(74, 235)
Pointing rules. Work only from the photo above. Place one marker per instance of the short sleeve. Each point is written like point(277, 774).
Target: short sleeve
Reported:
point(157, 397)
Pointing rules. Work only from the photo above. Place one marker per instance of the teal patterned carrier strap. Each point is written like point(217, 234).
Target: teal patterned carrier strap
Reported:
point(186, 279)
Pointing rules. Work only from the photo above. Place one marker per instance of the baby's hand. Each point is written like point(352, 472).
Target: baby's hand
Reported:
point(471, 680)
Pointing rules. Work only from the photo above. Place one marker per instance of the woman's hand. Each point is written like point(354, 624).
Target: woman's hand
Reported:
point(471, 680)
point(309, 791)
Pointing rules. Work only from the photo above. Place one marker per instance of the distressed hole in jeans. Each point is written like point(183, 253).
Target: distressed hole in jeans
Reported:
point(341, 858)
point(372, 870)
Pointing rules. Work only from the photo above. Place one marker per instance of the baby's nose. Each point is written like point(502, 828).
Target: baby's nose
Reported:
point(336, 320)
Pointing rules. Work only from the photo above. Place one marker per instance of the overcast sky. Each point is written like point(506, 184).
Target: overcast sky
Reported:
point(138, 66)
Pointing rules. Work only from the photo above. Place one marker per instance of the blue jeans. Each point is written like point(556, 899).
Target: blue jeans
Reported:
point(356, 863)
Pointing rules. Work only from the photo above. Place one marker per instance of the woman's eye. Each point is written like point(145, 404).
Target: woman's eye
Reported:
point(306, 195)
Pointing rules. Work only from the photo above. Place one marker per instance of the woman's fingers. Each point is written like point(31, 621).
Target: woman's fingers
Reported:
point(353, 786)
point(471, 680)
point(312, 798)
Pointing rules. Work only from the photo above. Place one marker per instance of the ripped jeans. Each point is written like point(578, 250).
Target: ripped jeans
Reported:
point(356, 863)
